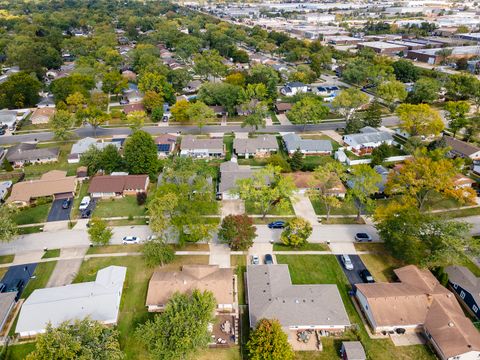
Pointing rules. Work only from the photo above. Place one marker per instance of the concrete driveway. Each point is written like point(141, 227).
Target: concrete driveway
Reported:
point(64, 273)
point(57, 212)
point(232, 207)
point(219, 255)
point(303, 208)
point(353, 275)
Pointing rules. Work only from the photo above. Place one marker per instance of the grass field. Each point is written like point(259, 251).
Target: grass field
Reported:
point(52, 253)
point(381, 264)
point(232, 353)
point(306, 247)
point(126, 206)
point(329, 272)
point(6, 259)
point(20, 351)
point(252, 210)
point(32, 215)
point(347, 208)
point(42, 274)
point(132, 307)
point(29, 230)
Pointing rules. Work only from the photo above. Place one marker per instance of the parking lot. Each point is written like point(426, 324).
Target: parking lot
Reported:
point(353, 275)
point(15, 274)
point(57, 212)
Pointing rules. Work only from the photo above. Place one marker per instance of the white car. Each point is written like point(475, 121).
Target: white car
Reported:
point(255, 260)
point(131, 240)
point(347, 262)
point(84, 203)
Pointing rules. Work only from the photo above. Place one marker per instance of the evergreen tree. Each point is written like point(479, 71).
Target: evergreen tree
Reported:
point(296, 161)
point(373, 115)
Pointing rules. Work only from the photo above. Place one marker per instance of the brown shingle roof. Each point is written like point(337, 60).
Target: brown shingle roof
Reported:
point(117, 183)
point(127, 109)
point(282, 106)
point(164, 284)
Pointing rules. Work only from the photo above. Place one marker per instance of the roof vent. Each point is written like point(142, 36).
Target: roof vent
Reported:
point(296, 301)
point(450, 324)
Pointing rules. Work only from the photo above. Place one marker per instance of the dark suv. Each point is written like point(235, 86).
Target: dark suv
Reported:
point(366, 276)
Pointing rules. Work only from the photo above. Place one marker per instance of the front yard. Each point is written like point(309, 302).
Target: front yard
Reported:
point(324, 269)
point(251, 209)
point(32, 215)
point(126, 206)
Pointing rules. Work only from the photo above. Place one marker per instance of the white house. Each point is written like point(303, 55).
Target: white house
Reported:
point(293, 88)
point(99, 300)
point(368, 139)
point(202, 148)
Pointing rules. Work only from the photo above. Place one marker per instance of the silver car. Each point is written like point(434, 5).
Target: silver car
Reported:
point(347, 262)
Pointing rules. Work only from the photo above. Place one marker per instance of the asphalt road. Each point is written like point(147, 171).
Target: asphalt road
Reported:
point(154, 130)
point(16, 273)
point(352, 275)
point(57, 213)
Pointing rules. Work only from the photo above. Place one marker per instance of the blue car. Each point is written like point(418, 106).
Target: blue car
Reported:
point(277, 225)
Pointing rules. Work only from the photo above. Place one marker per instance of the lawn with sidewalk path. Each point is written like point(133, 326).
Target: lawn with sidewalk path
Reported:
point(325, 269)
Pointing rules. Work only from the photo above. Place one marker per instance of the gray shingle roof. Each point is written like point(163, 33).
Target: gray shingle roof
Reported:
point(192, 143)
point(230, 172)
point(29, 152)
point(466, 279)
point(294, 142)
point(8, 116)
point(252, 145)
point(271, 294)
point(367, 135)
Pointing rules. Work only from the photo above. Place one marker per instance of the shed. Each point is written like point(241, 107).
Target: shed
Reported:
point(353, 350)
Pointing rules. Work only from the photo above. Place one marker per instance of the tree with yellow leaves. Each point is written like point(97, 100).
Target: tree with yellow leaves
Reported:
point(420, 120)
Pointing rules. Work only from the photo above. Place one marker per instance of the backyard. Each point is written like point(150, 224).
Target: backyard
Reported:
point(329, 272)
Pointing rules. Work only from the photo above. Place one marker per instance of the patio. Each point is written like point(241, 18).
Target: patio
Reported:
point(305, 340)
point(224, 331)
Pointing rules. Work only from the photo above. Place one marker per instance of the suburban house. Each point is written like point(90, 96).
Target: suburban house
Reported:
point(192, 87)
point(107, 186)
point(368, 139)
point(282, 107)
point(99, 300)
point(418, 302)
point(165, 144)
point(466, 286)
point(202, 148)
point(82, 145)
point(294, 142)
point(327, 92)
point(272, 295)
point(54, 183)
point(305, 181)
point(293, 88)
point(230, 173)
point(42, 115)
point(220, 281)
point(383, 172)
point(260, 146)
point(8, 118)
point(27, 153)
point(352, 350)
point(461, 181)
point(462, 149)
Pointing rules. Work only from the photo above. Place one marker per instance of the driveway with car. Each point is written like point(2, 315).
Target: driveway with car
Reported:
point(57, 211)
point(353, 276)
point(17, 277)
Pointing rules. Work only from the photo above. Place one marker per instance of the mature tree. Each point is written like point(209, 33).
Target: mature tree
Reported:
point(98, 232)
point(373, 115)
point(296, 232)
point(391, 92)
point(223, 94)
point(444, 54)
point(61, 124)
point(9, 229)
point(199, 114)
point(258, 92)
point(472, 128)
point(308, 110)
point(425, 239)
point(296, 161)
point(426, 174)
point(63, 87)
point(354, 124)
point(152, 100)
point(321, 60)
point(110, 159)
point(157, 252)
point(269, 342)
point(179, 110)
point(19, 91)
point(136, 119)
point(457, 115)
point(154, 81)
point(114, 83)
point(380, 153)
point(462, 86)
point(348, 101)
point(405, 71)
point(209, 63)
point(420, 119)
point(179, 78)
point(237, 231)
point(327, 177)
point(95, 118)
point(363, 184)
point(263, 74)
point(266, 190)
point(140, 154)
point(181, 329)
point(425, 90)
point(80, 339)
point(236, 78)
point(256, 117)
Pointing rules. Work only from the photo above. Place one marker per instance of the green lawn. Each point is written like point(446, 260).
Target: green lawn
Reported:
point(232, 353)
point(6, 259)
point(20, 351)
point(81, 192)
point(342, 220)
point(42, 274)
point(51, 253)
point(460, 213)
point(252, 210)
point(126, 206)
point(324, 269)
point(32, 215)
point(228, 141)
point(347, 208)
point(381, 264)
point(239, 262)
point(132, 307)
point(110, 249)
point(306, 247)
point(35, 171)
point(29, 230)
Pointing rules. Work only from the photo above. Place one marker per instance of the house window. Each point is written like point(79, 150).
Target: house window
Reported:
point(475, 308)
point(455, 286)
point(462, 294)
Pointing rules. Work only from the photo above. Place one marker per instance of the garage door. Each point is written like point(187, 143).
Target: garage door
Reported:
point(63, 195)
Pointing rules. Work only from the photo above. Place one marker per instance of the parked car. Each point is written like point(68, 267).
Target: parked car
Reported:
point(268, 259)
point(84, 203)
point(362, 237)
point(255, 260)
point(86, 214)
point(124, 101)
point(17, 287)
point(347, 262)
point(66, 203)
point(130, 240)
point(2, 132)
point(277, 225)
point(366, 276)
